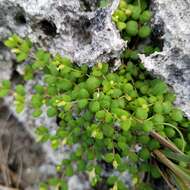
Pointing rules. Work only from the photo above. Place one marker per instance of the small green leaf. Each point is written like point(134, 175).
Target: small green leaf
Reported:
point(109, 157)
point(3, 92)
point(19, 107)
point(37, 113)
point(51, 112)
point(22, 56)
point(6, 84)
point(125, 125)
point(69, 170)
point(20, 89)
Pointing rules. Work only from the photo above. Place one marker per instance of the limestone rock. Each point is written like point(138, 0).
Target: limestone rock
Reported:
point(64, 27)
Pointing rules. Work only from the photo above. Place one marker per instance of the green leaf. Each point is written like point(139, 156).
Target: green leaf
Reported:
point(94, 106)
point(109, 157)
point(177, 115)
point(63, 185)
point(37, 113)
point(13, 41)
point(141, 113)
point(21, 57)
point(81, 165)
point(3, 92)
point(111, 180)
point(10, 43)
point(69, 171)
point(93, 83)
point(37, 101)
point(19, 107)
point(25, 46)
point(125, 125)
point(158, 87)
point(53, 181)
point(20, 89)
point(132, 28)
point(6, 84)
point(51, 112)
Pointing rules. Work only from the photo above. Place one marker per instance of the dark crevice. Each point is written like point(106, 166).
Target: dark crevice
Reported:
point(102, 185)
point(48, 27)
point(15, 76)
point(89, 5)
point(20, 18)
point(157, 29)
point(157, 33)
point(82, 30)
point(2, 46)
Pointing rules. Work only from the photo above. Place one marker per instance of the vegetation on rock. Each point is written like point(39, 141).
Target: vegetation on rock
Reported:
point(124, 120)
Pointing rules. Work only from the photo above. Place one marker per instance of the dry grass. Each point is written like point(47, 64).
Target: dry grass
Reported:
point(18, 152)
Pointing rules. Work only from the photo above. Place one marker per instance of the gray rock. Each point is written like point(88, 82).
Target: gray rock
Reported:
point(5, 63)
point(173, 63)
point(64, 27)
point(78, 183)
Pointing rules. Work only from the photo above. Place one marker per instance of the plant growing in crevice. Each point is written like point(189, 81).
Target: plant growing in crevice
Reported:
point(124, 119)
point(132, 19)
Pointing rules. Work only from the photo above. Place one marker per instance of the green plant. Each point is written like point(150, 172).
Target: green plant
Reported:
point(108, 115)
point(132, 18)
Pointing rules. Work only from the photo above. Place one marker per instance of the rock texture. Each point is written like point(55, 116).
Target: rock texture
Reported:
point(5, 63)
point(173, 63)
point(70, 27)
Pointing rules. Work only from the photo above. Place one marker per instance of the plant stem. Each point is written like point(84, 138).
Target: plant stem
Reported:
point(176, 170)
point(165, 142)
point(179, 132)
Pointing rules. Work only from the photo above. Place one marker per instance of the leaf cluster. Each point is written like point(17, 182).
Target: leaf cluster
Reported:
point(109, 115)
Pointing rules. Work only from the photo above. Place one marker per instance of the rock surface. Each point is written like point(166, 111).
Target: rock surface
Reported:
point(173, 63)
point(71, 27)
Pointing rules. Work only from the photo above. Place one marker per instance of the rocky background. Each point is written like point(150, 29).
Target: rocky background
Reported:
point(86, 33)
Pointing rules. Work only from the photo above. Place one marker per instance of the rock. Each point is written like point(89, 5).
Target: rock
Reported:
point(173, 63)
point(68, 27)
point(5, 63)
point(74, 183)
